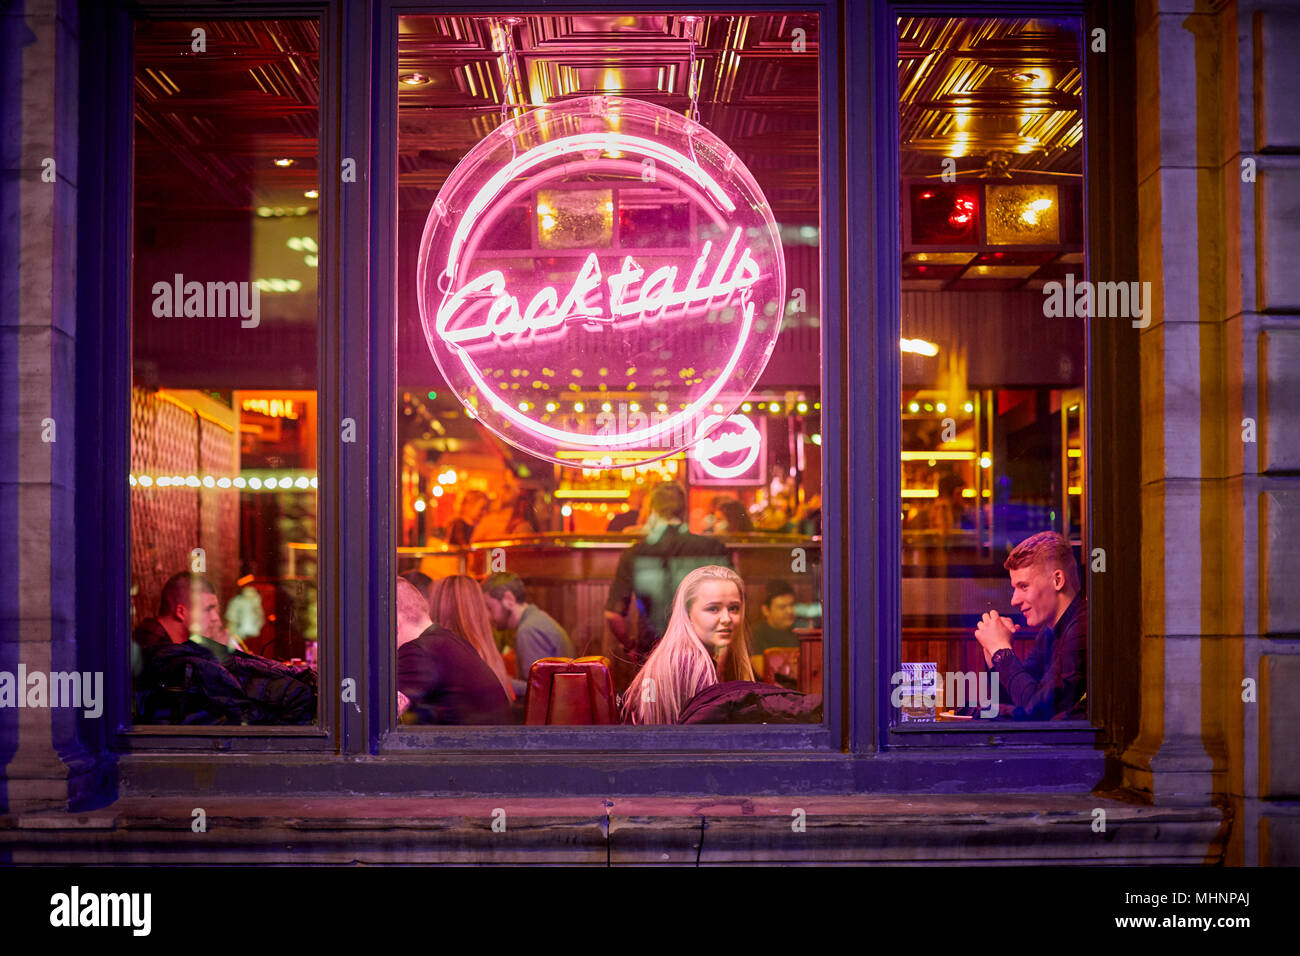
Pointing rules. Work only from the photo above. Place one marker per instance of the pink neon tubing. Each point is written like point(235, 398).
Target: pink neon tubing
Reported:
point(486, 195)
point(751, 454)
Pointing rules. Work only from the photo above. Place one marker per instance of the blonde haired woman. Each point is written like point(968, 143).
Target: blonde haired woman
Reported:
point(706, 641)
point(456, 603)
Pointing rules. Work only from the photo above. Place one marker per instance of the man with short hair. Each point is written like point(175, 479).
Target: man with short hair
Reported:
point(537, 634)
point(423, 583)
point(188, 609)
point(186, 669)
point(777, 627)
point(1051, 682)
point(440, 677)
point(651, 569)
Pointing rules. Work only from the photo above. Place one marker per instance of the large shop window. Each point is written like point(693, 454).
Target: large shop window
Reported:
point(608, 369)
point(994, 404)
point(224, 372)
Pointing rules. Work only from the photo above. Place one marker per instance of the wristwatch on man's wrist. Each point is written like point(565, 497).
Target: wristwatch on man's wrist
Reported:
point(999, 654)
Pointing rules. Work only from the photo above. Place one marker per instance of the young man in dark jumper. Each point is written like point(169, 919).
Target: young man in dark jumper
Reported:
point(1050, 684)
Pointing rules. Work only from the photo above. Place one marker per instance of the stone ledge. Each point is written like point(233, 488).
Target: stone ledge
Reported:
point(992, 829)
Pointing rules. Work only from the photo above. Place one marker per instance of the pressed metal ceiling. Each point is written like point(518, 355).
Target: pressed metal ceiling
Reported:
point(981, 87)
point(210, 125)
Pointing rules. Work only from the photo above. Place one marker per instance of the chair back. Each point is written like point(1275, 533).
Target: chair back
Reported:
point(570, 691)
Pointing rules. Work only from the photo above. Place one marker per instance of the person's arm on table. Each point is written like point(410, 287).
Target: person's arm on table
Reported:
point(1062, 684)
point(994, 633)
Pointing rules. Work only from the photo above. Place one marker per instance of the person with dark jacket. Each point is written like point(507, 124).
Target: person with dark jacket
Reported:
point(730, 517)
point(650, 571)
point(186, 672)
point(422, 582)
point(188, 610)
point(706, 641)
point(187, 606)
point(748, 702)
point(441, 679)
point(1051, 683)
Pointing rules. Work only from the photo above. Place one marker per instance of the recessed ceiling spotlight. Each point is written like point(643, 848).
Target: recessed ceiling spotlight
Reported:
point(1022, 76)
point(284, 161)
point(415, 79)
point(311, 194)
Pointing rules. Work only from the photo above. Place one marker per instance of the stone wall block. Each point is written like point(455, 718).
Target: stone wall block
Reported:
point(1277, 81)
point(1279, 715)
point(1277, 227)
point(1279, 400)
point(1279, 557)
point(1279, 841)
point(1179, 233)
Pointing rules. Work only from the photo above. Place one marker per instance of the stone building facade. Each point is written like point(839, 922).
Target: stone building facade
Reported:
point(1197, 734)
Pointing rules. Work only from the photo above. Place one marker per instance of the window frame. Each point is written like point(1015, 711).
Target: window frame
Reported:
point(825, 737)
point(104, 293)
point(853, 750)
point(979, 735)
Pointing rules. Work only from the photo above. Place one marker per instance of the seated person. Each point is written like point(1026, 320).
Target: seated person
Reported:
point(706, 641)
point(189, 670)
point(730, 517)
point(777, 627)
point(440, 677)
point(188, 610)
point(651, 570)
point(456, 603)
point(537, 634)
point(1050, 683)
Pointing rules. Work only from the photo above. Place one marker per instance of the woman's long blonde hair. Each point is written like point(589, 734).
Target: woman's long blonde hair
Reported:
point(680, 666)
point(456, 603)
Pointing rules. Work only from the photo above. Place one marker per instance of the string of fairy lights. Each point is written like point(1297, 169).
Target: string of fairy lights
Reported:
point(285, 481)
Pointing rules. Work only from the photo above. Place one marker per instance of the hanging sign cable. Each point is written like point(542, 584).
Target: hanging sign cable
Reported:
point(693, 80)
point(506, 28)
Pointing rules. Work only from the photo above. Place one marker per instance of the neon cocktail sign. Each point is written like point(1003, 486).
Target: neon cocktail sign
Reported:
point(672, 326)
point(628, 298)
